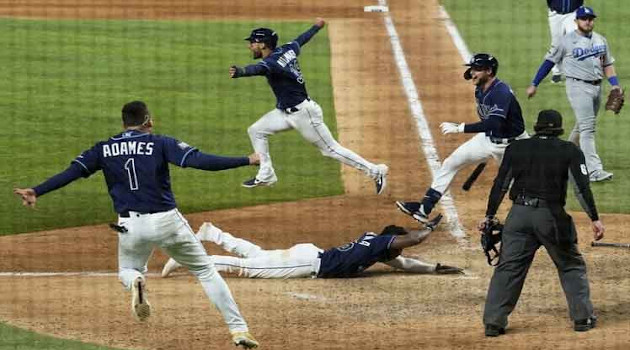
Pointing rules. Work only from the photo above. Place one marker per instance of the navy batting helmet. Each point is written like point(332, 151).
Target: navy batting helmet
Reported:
point(482, 60)
point(263, 35)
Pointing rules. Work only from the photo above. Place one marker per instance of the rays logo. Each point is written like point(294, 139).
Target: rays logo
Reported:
point(581, 54)
point(486, 110)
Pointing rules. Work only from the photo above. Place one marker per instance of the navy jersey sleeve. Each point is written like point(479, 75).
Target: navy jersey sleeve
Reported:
point(261, 68)
point(89, 160)
point(176, 151)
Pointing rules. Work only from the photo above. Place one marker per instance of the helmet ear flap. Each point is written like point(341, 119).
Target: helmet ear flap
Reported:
point(467, 74)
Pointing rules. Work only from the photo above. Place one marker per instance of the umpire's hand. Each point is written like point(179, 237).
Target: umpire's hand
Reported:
point(598, 230)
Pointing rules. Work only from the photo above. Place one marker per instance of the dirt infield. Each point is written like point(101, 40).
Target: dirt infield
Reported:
point(381, 311)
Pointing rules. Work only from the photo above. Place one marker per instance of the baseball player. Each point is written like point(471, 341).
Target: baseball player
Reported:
point(585, 56)
point(501, 123)
point(561, 21)
point(307, 260)
point(135, 166)
point(294, 108)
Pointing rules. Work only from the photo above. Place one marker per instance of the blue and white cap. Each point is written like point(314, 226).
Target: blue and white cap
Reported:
point(585, 12)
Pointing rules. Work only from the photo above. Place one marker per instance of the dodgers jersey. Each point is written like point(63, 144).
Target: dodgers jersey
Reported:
point(582, 57)
point(499, 102)
point(283, 72)
point(352, 258)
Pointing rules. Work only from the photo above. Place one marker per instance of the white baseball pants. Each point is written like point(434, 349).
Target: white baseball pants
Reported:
point(170, 231)
point(476, 150)
point(299, 261)
point(309, 122)
point(559, 26)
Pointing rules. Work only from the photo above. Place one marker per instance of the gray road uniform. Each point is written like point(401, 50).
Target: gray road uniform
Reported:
point(583, 59)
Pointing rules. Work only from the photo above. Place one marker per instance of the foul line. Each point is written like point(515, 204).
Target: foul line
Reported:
point(427, 143)
point(459, 42)
point(52, 274)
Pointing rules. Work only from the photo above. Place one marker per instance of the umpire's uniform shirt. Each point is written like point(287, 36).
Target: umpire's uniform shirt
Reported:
point(540, 167)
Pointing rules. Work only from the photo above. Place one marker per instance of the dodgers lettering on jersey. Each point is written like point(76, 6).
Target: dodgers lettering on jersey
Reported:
point(499, 101)
point(135, 166)
point(582, 57)
point(284, 75)
point(352, 258)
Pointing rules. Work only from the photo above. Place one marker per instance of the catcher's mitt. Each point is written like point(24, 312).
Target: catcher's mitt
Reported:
point(490, 236)
point(615, 100)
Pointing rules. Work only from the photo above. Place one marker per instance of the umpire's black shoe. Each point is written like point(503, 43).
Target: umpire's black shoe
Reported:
point(413, 209)
point(494, 331)
point(585, 325)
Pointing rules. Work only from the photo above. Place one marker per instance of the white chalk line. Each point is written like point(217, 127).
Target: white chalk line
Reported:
point(426, 139)
point(51, 274)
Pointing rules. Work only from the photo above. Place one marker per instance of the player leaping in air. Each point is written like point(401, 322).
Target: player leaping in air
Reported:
point(501, 123)
point(307, 260)
point(294, 108)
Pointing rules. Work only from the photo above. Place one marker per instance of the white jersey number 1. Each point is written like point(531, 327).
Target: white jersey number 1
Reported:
point(130, 166)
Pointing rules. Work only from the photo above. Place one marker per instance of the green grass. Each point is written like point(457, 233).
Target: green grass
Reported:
point(517, 33)
point(17, 339)
point(64, 83)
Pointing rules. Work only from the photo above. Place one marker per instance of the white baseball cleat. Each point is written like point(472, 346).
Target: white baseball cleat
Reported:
point(244, 339)
point(140, 306)
point(601, 175)
point(381, 178)
point(209, 232)
point(170, 266)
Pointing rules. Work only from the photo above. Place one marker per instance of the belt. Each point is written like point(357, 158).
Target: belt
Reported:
point(127, 214)
point(290, 110)
point(592, 82)
point(531, 202)
point(501, 141)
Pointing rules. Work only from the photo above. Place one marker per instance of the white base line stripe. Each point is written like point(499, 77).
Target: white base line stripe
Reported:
point(459, 42)
point(428, 146)
point(52, 274)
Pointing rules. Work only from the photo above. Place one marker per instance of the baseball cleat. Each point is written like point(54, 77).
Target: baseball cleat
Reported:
point(601, 175)
point(381, 179)
point(170, 266)
point(251, 183)
point(140, 306)
point(244, 339)
point(413, 209)
point(585, 325)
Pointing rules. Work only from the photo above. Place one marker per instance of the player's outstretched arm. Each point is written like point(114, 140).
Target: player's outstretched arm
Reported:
point(307, 35)
point(29, 195)
point(259, 68)
point(211, 162)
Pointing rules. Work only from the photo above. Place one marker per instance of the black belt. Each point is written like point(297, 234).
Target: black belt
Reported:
point(592, 82)
point(532, 202)
point(294, 109)
point(501, 141)
point(126, 214)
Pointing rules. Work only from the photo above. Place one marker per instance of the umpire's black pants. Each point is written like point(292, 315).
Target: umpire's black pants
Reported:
point(526, 229)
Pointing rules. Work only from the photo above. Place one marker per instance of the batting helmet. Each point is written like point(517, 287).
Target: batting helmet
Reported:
point(481, 60)
point(263, 35)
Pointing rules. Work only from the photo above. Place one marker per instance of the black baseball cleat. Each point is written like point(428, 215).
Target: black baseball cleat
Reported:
point(585, 325)
point(413, 209)
point(494, 331)
point(381, 178)
point(251, 183)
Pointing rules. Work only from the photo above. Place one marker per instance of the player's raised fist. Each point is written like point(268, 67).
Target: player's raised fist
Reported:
point(28, 195)
point(320, 22)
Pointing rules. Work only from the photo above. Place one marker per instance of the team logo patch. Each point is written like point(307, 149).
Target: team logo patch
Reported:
point(583, 169)
point(183, 145)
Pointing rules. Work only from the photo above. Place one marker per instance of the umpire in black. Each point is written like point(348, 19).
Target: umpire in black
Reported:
point(540, 168)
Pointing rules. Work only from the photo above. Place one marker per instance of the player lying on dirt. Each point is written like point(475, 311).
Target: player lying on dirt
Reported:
point(307, 260)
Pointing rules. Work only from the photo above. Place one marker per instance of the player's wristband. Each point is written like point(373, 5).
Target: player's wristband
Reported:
point(613, 80)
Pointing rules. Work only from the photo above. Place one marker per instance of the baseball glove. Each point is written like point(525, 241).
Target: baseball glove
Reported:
point(615, 100)
point(490, 237)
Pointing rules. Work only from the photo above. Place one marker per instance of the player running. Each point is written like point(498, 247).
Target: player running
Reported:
point(307, 260)
point(135, 166)
point(294, 108)
point(501, 123)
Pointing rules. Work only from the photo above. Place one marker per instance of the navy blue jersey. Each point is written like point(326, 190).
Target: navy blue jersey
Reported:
point(135, 166)
point(283, 72)
point(564, 6)
point(352, 258)
point(500, 104)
